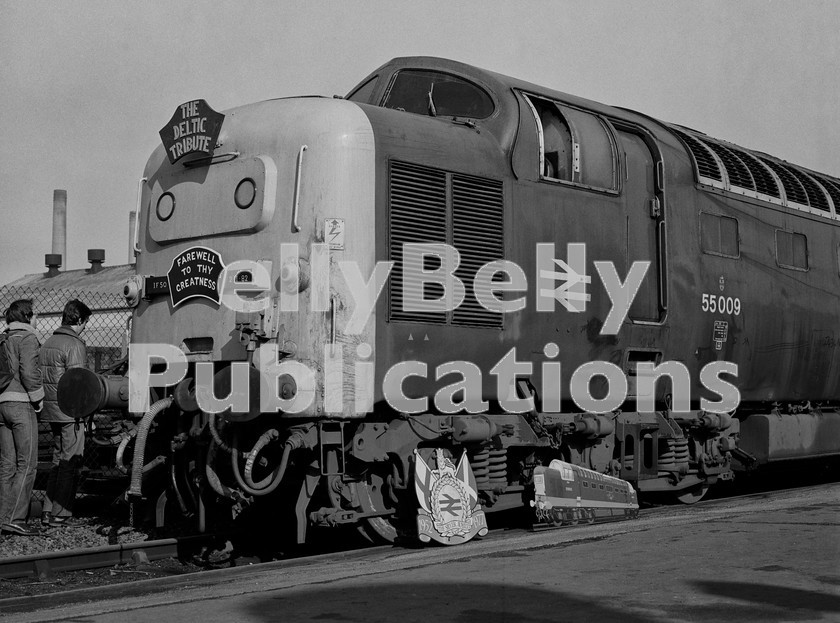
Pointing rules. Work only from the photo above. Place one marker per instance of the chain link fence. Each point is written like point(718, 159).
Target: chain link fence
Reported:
point(106, 336)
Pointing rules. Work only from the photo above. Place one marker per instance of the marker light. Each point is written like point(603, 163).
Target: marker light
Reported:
point(165, 206)
point(245, 193)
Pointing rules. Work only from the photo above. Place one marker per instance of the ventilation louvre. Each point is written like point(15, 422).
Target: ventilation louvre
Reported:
point(765, 183)
point(417, 213)
point(793, 188)
point(706, 164)
point(833, 190)
point(739, 174)
point(478, 234)
point(816, 197)
point(422, 202)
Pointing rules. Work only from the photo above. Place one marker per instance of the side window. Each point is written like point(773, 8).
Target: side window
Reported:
point(791, 250)
point(363, 93)
point(597, 152)
point(719, 235)
point(437, 94)
point(575, 146)
point(556, 144)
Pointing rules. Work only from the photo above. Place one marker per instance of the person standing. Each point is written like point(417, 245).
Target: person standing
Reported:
point(63, 350)
point(19, 404)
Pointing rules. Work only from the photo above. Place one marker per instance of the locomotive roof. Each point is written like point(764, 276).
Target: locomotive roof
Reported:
point(717, 163)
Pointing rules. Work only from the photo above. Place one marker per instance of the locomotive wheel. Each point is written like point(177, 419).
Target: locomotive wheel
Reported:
point(377, 530)
point(572, 517)
point(557, 516)
point(694, 494)
point(590, 515)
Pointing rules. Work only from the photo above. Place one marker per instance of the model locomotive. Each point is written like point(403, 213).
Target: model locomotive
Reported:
point(566, 493)
point(458, 267)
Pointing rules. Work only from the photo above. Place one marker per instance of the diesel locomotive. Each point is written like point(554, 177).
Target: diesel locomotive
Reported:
point(450, 264)
point(566, 494)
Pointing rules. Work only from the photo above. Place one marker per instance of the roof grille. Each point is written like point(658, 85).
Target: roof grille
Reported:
point(478, 234)
point(793, 188)
point(833, 189)
point(816, 197)
point(706, 164)
point(765, 183)
point(417, 214)
point(739, 174)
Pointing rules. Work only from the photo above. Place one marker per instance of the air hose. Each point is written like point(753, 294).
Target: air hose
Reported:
point(136, 489)
point(274, 479)
point(127, 437)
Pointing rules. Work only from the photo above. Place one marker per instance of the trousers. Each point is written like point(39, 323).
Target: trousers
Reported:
point(68, 447)
point(18, 459)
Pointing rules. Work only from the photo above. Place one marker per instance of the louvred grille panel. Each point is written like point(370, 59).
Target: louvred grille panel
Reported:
point(764, 181)
point(737, 171)
point(478, 234)
point(816, 197)
point(419, 212)
point(793, 189)
point(706, 164)
point(833, 189)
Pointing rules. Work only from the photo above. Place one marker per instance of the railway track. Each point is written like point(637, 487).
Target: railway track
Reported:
point(43, 565)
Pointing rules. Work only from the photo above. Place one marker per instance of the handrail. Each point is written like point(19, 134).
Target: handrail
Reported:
point(134, 246)
point(295, 226)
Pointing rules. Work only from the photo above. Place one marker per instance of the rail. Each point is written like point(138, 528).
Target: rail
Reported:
point(97, 557)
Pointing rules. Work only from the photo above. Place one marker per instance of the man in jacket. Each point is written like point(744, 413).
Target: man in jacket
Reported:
point(19, 403)
point(63, 350)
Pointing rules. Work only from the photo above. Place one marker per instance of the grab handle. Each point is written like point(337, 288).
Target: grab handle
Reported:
point(295, 226)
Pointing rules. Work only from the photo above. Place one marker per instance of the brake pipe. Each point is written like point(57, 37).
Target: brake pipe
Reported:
point(276, 478)
point(126, 439)
point(266, 438)
point(136, 489)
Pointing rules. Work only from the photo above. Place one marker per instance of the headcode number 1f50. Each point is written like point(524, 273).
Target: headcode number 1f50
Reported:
point(721, 304)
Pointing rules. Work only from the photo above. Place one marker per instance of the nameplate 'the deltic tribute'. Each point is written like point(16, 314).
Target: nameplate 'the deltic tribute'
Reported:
point(193, 129)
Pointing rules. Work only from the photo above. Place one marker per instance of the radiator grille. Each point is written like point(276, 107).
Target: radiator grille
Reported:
point(417, 214)
point(478, 234)
point(433, 206)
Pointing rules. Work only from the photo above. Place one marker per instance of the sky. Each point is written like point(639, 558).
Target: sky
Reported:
point(85, 86)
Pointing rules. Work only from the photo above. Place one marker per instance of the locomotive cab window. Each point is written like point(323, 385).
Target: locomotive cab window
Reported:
point(719, 235)
point(574, 145)
point(363, 93)
point(437, 94)
point(791, 250)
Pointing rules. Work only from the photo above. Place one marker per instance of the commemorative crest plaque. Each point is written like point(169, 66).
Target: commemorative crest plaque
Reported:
point(449, 509)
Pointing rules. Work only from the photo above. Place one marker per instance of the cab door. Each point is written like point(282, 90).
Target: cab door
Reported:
point(643, 216)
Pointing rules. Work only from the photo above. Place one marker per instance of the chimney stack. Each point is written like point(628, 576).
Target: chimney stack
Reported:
point(52, 261)
point(132, 224)
point(96, 257)
point(59, 232)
